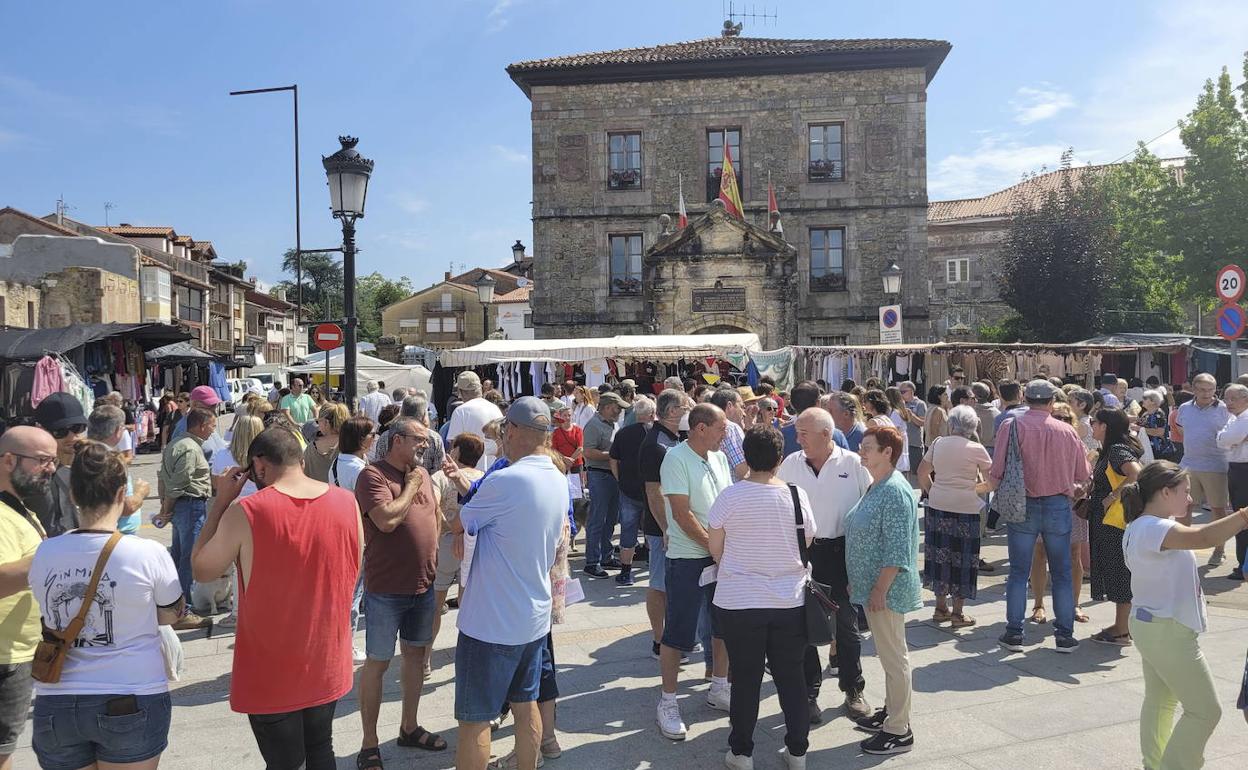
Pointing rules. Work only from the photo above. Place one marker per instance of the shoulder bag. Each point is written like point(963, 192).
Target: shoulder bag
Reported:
point(1010, 501)
point(820, 607)
point(52, 649)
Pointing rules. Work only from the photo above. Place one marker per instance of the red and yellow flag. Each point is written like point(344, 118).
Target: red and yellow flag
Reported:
point(728, 192)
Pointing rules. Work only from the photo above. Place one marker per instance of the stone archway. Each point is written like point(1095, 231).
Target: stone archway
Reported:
point(721, 329)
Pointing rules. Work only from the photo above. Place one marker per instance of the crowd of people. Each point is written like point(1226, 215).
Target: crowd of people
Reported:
point(734, 498)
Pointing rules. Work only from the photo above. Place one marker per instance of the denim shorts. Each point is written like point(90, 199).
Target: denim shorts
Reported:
point(657, 563)
point(15, 689)
point(75, 731)
point(408, 617)
point(488, 675)
point(686, 601)
point(630, 520)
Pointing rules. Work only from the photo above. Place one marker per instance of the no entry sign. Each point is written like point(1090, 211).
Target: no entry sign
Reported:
point(1231, 322)
point(1230, 284)
point(327, 337)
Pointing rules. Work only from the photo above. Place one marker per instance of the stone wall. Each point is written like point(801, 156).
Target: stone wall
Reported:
point(87, 295)
point(881, 202)
point(976, 302)
point(15, 299)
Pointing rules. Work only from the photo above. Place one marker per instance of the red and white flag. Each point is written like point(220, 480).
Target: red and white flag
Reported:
point(683, 220)
point(773, 209)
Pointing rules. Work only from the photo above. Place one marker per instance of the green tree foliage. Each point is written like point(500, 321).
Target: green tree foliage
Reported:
point(1210, 209)
point(1057, 260)
point(322, 284)
point(373, 292)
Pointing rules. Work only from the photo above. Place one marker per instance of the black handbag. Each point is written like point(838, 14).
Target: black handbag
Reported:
point(820, 607)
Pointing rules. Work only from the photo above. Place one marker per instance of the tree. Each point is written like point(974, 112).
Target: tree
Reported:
point(1209, 222)
point(322, 283)
point(372, 293)
point(1056, 262)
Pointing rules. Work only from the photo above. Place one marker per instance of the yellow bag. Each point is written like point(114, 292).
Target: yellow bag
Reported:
point(1114, 514)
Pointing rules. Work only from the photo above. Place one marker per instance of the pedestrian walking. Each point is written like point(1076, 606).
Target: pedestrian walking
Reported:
point(322, 451)
point(1233, 439)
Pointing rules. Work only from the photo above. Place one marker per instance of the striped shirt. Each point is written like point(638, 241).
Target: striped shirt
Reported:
point(761, 566)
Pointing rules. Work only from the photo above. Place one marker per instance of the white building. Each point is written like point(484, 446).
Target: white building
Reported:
point(515, 316)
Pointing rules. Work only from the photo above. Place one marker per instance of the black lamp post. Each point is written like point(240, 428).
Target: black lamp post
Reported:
point(891, 276)
point(485, 293)
point(348, 173)
point(517, 251)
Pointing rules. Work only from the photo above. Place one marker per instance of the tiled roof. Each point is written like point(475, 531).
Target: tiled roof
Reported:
point(716, 48)
point(512, 297)
point(131, 230)
point(36, 220)
point(504, 282)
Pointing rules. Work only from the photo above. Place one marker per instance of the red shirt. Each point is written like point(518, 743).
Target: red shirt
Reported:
point(292, 648)
point(566, 442)
point(1054, 459)
point(404, 560)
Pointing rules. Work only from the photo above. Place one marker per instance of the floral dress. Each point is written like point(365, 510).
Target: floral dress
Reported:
point(1163, 447)
point(1110, 577)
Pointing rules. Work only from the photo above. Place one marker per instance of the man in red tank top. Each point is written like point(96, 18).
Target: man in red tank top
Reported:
point(292, 659)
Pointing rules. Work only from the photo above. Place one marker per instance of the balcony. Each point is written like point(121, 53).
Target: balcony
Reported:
point(179, 265)
point(443, 337)
point(443, 308)
point(624, 179)
point(828, 282)
point(219, 308)
point(220, 346)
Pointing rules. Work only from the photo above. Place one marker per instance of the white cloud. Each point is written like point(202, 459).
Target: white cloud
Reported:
point(1035, 104)
point(412, 204)
point(497, 18)
point(998, 161)
point(508, 154)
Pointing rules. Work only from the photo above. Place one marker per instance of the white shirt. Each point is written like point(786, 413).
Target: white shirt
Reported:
point(222, 461)
point(371, 404)
point(1163, 582)
point(120, 643)
point(840, 484)
point(472, 417)
point(582, 414)
point(761, 566)
point(1234, 438)
point(347, 470)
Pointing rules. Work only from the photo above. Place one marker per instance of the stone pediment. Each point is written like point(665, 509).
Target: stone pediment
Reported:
point(716, 233)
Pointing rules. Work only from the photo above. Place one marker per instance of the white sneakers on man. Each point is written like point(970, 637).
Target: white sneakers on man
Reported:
point(738, 762)
point(670, 723)
point(719, 697)
point(792, 762)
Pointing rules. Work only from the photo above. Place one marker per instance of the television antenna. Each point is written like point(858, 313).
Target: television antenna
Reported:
point(107, 208)
point(732, 25)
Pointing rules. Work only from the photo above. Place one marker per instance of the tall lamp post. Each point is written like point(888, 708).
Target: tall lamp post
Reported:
point(485, 293)
point(348, 173)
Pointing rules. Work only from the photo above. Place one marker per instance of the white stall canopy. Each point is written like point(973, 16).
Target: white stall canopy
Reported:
point(369, 368)
point(648, 347)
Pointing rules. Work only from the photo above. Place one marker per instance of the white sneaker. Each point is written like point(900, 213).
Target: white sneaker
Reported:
point(358, 655)
point(719, 697)
point(737, 762)
point(670, 723)
point(792, 762)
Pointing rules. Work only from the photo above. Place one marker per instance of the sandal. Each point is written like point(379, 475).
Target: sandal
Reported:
point(551, 748)
point(1117, 640)
point(941, 616)
point(961, 620)
point(511, 762)
point(368, 759)
point(1038, 615)
point(1081, 616)
point(420, 738)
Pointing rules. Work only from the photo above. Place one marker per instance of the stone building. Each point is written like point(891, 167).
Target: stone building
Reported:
point(448, 314)
point(839, 128)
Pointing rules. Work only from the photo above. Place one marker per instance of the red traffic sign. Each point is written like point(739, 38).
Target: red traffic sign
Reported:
point(1230, 320)
point(327, 337)
point(1230, 284)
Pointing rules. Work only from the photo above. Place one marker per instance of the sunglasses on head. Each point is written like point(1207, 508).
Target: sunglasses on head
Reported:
point(74, 430)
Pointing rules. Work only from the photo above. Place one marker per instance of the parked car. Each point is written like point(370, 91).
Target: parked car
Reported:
point(239, 387)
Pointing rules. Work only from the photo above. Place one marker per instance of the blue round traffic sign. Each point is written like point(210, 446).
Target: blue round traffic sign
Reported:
point(890, 318)
point(1231, 320)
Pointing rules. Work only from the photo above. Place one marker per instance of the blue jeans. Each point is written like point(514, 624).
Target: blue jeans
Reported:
point(188, 519)
point(487, 675)
point(604, 512)
point(1047, 517)
point(630, 520)
point(75, 731)
point(408, 617)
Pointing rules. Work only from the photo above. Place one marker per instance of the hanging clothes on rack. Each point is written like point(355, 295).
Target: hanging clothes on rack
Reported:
point(48, 380)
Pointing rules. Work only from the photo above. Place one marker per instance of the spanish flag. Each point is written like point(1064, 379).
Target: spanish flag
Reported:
point(728, 187)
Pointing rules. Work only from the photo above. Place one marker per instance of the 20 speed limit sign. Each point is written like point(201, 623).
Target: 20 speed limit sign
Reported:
point(1230, 286)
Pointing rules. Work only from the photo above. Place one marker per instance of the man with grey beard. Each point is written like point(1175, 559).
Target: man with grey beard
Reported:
point(27, 462)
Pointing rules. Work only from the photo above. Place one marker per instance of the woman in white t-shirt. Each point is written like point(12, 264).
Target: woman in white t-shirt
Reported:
point(356, 438)
point(759, 598)
point(1168, 613)
point(111, 704)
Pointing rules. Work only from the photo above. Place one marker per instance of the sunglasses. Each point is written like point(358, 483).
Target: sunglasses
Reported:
point(74, 430)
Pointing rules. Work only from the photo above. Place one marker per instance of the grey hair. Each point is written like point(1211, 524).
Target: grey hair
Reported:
point(963, 421)
point(1205, 377)
point(768, 402)
point(104, 422)
point(415, 407)
point(1236, 390)
point(674, 383)
point(847, 401)
point(1156, 397)
point(371, 386)
point(643, 408)
point(400, 424)
point(821, 417)
point(669, 401)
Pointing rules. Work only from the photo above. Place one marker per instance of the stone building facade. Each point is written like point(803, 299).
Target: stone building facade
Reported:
point(838, 127)
point(88, 295)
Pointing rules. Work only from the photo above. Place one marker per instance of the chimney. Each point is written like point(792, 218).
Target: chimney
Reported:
point(447, 276)
point(281, 293)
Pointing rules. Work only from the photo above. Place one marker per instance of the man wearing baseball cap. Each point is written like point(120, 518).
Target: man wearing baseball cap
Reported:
point(1055, 472)
point(604, 490)
point(473, 414)
point(516, 517)
point(61, 415)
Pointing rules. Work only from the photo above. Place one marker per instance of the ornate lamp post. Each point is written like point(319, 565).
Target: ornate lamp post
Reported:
point(348, 173)
point(485, 293)
point(891, 276)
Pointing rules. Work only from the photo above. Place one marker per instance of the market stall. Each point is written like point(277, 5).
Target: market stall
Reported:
point(367, 368)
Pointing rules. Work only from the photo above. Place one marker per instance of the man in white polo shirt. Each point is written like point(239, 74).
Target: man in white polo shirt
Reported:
point(473, 414)
point(834, 480)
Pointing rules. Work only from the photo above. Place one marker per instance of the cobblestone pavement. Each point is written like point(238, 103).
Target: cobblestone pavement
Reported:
point(975, 706)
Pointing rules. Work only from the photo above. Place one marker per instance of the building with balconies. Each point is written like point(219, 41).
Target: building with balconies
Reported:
point(449, 313)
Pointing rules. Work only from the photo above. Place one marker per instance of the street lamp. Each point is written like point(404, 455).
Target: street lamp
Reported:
point(348, 174)
point(890, 318)
point(892, 278)
point(485, 293)
point(517, 251)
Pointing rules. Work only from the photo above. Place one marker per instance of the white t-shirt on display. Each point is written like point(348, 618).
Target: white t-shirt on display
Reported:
point(761, 566)
point(118, 651)
point(1164, 583)
point(472, 417)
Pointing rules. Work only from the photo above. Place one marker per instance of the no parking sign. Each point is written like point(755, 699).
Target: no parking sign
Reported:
point(890, 325)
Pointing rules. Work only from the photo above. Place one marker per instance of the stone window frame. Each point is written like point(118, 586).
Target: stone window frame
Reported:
point(828, 340)
point(633, 287)
point(738, 164)
point(641, 159)
point(837, 174)
point(963, 271)
point(822, 284)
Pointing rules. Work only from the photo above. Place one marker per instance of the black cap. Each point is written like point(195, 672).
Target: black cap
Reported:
point(60, 410)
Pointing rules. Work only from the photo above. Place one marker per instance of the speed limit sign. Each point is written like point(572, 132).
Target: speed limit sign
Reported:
point(1230, 286)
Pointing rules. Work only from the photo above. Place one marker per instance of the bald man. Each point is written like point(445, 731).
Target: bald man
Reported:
point(27, 462)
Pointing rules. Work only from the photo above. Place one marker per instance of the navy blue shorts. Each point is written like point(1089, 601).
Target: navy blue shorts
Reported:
point(686, 601)
point(488, 675)
point(75, 731)
point(406, 616)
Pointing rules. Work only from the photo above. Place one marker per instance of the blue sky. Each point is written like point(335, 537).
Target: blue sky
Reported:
point(127, 103)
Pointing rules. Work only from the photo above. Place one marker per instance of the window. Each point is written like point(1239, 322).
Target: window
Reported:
point(4, 318)
point(827, 159)
point(528, 320)
point(625, 264)
point(826, 340)
point(624, 161)
point(827, 259)
point(32, 317)
point(957, 270)
point(409, 323)
point(440, 325)
point(446, 300)
point(715, 138)
point(190, 304)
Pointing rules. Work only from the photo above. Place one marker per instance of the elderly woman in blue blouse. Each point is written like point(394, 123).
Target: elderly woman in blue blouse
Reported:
point(882, 555)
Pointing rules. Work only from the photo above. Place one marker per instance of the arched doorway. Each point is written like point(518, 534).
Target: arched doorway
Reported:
point(722, 329)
